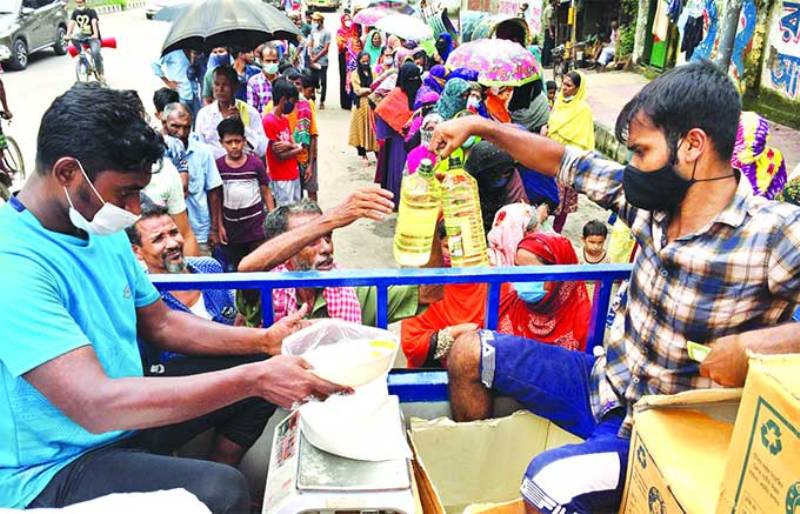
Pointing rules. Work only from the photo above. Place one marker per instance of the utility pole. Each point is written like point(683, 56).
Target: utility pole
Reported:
point(730, 25)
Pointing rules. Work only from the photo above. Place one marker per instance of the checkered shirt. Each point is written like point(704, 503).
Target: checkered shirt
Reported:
point(259, 92)
point(738, 273)
point(341, 302)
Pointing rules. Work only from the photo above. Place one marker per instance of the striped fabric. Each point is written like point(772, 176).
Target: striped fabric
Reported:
point(740, 272)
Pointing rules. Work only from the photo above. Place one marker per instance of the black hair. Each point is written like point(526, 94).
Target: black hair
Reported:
point(281, 89)
point(595, 228)
point(149, 209)
point(113, 134)
point(277, 221)
point(230, 126)
point(284, 67)
point(309, 80)
point(697, 95)
point(235, 51)
point(131, 97)
point(165, 96)
point(228, 72)
point(292, 75)
point(575, 77)
point(551, 85)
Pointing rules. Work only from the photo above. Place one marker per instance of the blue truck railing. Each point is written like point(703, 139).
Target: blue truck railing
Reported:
point(428, 386)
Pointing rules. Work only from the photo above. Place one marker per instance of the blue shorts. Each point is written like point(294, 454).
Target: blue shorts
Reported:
point(554, 383)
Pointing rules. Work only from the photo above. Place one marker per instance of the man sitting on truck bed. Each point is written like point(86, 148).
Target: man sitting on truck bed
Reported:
point(715, 268)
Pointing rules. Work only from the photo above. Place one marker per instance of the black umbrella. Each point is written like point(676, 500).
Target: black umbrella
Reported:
point(211, 23)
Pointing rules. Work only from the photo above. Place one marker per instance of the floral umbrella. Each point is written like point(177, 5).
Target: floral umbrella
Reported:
point(371, 15)
point(406, 27)
point(498, 62)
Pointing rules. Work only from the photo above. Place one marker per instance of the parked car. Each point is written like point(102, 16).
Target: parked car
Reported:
point(28, 26)
point(321, 5)
point(152, 7)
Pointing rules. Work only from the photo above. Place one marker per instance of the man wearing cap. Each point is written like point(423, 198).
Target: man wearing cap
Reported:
point(318, 45)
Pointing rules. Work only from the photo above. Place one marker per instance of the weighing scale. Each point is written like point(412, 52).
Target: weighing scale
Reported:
point(305, 479)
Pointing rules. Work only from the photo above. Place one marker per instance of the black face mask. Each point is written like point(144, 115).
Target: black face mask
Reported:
point(659, 190)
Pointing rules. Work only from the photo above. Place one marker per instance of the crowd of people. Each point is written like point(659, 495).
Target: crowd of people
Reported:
point(224, 177)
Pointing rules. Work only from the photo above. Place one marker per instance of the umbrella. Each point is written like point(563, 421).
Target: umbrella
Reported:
point(397, 5)
point(405, 26)
point(369, 17)
point(498, 62)
point(244, 23)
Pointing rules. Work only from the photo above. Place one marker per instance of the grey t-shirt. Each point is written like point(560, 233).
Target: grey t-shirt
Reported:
point(320, 38)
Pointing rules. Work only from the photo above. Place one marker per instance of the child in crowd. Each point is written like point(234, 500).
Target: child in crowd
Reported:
point(282, 151)
point(245, 193)
point(303, 125)
point(551, 92)
point(594, 241)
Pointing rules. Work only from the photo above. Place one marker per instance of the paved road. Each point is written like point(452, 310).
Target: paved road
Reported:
point(365, 244)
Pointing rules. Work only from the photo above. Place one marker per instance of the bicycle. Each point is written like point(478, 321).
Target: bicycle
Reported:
point(11, 162)
point(562, 62)
point(84, 65)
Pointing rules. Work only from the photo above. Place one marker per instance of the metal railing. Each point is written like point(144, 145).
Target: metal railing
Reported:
point(604, 275)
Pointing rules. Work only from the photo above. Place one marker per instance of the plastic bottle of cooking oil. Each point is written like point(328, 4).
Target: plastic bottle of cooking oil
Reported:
point(462, 217)
point(420, 201)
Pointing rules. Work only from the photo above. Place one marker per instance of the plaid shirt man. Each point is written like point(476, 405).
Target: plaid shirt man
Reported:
point(740, 272)
point(342, 302)
point(259, 92)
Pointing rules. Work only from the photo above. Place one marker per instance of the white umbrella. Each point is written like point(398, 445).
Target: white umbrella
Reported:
point(405, 27)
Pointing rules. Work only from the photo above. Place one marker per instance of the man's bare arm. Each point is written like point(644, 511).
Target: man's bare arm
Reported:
point(190, 246)
point(186, 333)
point(79, 387)
point(727, 363)
point(533, 151)
point(368, 202)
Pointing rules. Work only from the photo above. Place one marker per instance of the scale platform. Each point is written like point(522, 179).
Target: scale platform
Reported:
point(305, 479)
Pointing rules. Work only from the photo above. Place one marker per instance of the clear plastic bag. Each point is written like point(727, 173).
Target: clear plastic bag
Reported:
point(365, 425)
point(363, 355)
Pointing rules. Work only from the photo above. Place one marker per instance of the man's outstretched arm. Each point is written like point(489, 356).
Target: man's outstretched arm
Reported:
point(531, 150)
point(368, 202)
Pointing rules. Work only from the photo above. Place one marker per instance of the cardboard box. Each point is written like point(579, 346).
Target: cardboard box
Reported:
point(459, 465)
point(678, 452)
point(688, 456)
point(763, 471)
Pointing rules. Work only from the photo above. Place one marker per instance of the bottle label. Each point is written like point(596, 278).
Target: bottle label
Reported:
point(455, 245)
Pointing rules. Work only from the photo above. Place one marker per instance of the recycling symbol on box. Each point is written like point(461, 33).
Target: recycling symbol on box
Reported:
point(641, 456)
point(771, 437)
point(793, 499)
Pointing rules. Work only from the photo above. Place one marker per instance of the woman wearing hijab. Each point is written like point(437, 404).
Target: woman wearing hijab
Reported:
point(425, 134)
point(529, 106)
point(497, 99)
point(372, 45)
point(444, 45)
point(453, 99)
point(362, 133)
point(762, 165)
point(423, 105)
point(391, 117)
point(354, 49)
point(434, 80)
point(499, 182)
point(555, 313)
point(510, 225)
point(344, 36)
point(570, 123)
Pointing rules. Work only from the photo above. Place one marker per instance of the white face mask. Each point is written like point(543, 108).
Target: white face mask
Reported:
point(108, 220)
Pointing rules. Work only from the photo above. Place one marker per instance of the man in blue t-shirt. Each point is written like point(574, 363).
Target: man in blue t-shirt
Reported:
point(77, 418)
